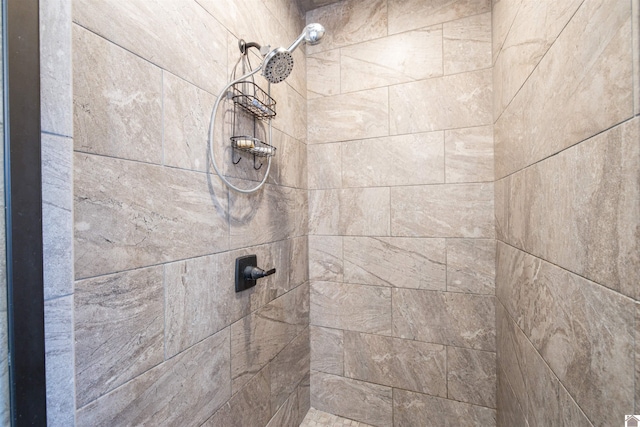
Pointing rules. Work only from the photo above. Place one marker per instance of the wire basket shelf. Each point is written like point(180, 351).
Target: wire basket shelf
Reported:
point(251, 98)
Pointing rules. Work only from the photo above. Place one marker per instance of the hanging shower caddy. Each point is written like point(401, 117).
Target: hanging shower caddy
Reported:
point(250, 98)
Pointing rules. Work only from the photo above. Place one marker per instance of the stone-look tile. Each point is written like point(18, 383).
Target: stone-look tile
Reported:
point(327, 350)
point(291, 108)
point(323, 74)
point(324, 212)
point(410, 14)
point(57, 219)
point(121, 204)
point(325, 258)
point(471, 376)
point(324, 165)
point(401, 58)
point(59, 340)
point(467, 44)
point(598, 179)
point(351, 307)
point(456, 101)
point(469, 154)
point(395, 261)
point(5, 391)
point(351, 116)
point(501, 207)
point(503, 13)
point(299, 261)
point(289, 168)
point(637, 358)
point(265, 216)
point(161, 397)
point(356, 216)
point(395, 362)
point(56, 96)
point(304, 398)
point(249, 407)
point(471, 266)
point(635, 11)
point(288, 368)
point(509, 412)
point(119, 326)
point(196, 302)
point(307, 5)
point(461, 320)
point(595, 50)
point(412, 409)
point(361, 401)
point(287, 415)
point(259, 337)
point(187, 113)
point(117, 100)
point(349, 22)
point(397, 160)
point(533, 30)
point(570, 412)
point(583, 331)
point(449, 210)
point(159, 32)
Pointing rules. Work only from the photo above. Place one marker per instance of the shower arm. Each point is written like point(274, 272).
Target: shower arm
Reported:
point(214, 112)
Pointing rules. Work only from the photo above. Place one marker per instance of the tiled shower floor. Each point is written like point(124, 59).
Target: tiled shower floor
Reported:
point(317, 418)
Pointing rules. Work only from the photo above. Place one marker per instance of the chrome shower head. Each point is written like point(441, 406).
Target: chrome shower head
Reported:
point(278, 63)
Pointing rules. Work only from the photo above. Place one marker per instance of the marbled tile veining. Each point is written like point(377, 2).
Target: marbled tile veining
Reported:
point(317, 418)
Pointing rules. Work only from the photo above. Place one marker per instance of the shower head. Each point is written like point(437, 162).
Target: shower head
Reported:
point(278, 63)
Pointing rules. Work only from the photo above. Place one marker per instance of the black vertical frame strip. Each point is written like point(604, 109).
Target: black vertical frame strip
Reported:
point(24, 213)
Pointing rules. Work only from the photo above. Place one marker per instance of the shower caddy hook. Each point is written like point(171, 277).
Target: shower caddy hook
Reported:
point(276, 66)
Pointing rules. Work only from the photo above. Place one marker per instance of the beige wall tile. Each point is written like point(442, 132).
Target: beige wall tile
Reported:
point(461, 100)
point(395, 261)
point(323, 74)
point(350, 116)
point(143, 28)
point(60, 375)
point(635, 10)
point(467, 44)
point(250, 406)
point(117, 100)
point(357, 400)
point(56, 94)
point(287, 415)
point(469, 154)
point(411, 409)
point(256, 339)
point(410, 14)
point(160, 396)
point(356, 216)
point(327, 350)
point(291, 109)
point(349, 22)
point(395, 160)
point(119, 204)
point(471, 376)
point(535, 28)
point(325, 258)
point(186, 117)
point(461, 320)
point(456, 210)
point(419, 366)
point(324, 212)
point(288, 368)
point(288, 168)
point(401, 58)
point(595, 51)
point(584, 197)
point(368, 358)
point(510, 412)
point(503, 13)
point(324, 165)
point(471, 266)
point(119, 325)
point(554, 308)
point(351, 307)
point(637, 357)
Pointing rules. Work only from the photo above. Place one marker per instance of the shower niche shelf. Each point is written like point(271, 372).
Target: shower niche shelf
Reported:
point(251, 99)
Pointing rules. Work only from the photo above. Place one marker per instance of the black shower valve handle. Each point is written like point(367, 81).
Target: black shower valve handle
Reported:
point(254, 273)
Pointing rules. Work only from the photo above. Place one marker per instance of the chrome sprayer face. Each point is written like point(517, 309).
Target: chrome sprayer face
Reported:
point(278, 63)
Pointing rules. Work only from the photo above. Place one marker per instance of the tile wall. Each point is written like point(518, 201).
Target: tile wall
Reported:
point(160, 335)
point(401, 213)
point(567, 167)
